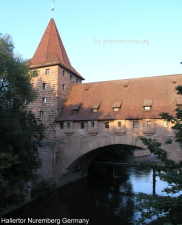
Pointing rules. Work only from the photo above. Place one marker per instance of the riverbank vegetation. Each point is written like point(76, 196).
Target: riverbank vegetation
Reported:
point(20, 132)
point(164, 209)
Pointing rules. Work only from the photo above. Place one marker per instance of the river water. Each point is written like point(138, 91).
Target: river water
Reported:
point(99, 198)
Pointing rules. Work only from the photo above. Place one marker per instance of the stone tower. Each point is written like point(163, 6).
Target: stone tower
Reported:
point(55, 75)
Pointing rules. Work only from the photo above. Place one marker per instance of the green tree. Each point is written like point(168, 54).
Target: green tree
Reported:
point(20, 132)
point(164, 209)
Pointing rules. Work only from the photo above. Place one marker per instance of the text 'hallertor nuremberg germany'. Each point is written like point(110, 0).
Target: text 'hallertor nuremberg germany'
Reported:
point(44, 221)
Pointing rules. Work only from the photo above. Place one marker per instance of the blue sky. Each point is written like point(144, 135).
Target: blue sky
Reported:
point(100, 35)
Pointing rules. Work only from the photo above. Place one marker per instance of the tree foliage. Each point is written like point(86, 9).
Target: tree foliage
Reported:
point(164, 209)
point(20, 132)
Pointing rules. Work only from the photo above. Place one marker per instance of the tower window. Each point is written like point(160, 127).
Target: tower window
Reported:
point(68, 125)
point(41, 113)
point(71, 77)
point(135, 124)
point(82, 125)
point(106, 124)
point(44, 86)
point(61, 125)
point(63, 86)
point(44, 100)
point(47, 71)
point(92, 124)
point(119, 124)
point(63, 72)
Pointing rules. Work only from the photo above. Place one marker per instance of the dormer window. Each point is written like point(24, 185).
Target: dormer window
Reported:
point(95, 107)
point(47, 71)
point(147, 105)
point(94, 110)
point(116, 109)
point(75, 108)
point(146, 108)
point(116, 106)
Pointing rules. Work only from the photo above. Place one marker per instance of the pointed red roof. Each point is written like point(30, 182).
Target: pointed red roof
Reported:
point(51, 51)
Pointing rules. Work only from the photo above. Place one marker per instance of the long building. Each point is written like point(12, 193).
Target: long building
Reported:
point(82, 117)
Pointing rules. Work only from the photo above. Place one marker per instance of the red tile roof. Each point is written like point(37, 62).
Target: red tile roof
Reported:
point(158, 91)
point(51, 51)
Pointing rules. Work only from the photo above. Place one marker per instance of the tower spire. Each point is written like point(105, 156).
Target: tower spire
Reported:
point(51, 51)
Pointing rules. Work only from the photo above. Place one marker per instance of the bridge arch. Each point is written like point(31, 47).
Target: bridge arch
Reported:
point(77, 149)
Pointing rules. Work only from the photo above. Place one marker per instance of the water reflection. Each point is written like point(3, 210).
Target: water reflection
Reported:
point(100, 199)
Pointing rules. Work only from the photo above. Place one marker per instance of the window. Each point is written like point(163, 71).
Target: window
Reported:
point(41, 113)
point(148, 123)
point(166, 123)
point(63, 86)
point(116, 109)
point(44, 100)
point(61, 125)
point(75, 108)
point(95, 107)
point(92, 124)
point(135, 124)
point(77, 80)
point(147, 104)
point(47, 71)
point(68, 125)
point(94, 110)
point(106, 124)
point(82, 125)
point(44, 86)
point(147, 108)
point(63, 73)
point(116, 106)
point(71, 77)
point(119, 124)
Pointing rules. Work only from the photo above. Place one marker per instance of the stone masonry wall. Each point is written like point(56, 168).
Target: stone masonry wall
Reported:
point(53, 86)
point(76, 141)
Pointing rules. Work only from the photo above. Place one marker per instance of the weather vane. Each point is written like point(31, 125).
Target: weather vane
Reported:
point(52, 8)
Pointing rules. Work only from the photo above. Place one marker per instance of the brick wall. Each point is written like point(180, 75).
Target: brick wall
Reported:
point(54, 86)
point(52, 89)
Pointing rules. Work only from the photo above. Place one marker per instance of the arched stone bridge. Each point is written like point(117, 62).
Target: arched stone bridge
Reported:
point(78, 147)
